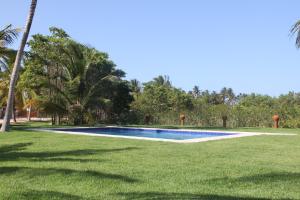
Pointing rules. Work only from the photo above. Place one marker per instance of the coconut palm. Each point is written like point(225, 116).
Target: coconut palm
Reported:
point(227, 96)
point(196, 91)
point(15, 72)
point(162, 80)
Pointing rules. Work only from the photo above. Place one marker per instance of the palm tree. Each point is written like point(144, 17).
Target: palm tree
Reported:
point(227, 96)
point(135, 87)
point(162, 80)
point(196, 91)
point(296, 30)
point(15, 72)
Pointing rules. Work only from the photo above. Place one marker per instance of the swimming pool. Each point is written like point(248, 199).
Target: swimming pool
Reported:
point(172, 135)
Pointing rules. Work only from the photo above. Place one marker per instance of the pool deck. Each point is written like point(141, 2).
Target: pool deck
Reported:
point(234, 134)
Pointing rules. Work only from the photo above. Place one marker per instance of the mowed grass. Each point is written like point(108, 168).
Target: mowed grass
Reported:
point(39, 165)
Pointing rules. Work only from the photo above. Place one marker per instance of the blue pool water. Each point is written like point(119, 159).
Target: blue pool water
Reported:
point(148, 133)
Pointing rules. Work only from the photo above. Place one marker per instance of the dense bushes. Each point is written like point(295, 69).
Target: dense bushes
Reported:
point(162, 103)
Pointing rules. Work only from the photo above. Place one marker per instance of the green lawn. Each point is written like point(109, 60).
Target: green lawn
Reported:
point(39, 165)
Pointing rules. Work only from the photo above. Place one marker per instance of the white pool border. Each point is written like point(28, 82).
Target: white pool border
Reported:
point(235, 134)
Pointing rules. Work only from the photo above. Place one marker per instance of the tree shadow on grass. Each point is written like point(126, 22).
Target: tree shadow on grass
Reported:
point(53, 195)
point(183, 196)
point(271, 177)
point(77, 160)
point(14, 147)
point(258, 178)
point(16, 152)
point(69, 172)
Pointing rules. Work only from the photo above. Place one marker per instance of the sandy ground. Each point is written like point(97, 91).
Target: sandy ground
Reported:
point(22, 120)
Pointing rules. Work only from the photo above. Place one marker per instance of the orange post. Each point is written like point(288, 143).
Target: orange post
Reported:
point(276, 120)
point(182, 118)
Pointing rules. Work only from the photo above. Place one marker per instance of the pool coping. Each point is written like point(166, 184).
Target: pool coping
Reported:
point(234, 134)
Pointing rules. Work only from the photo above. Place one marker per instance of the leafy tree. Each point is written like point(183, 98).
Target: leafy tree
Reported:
point(160, 101)
point(78, 81)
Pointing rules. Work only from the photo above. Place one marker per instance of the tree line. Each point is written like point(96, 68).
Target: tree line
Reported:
point(77, 84)
point(158, 102)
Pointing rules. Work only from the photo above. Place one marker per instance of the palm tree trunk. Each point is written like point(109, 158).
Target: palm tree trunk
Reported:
point(52, 120)
point(29, 113)
point(15, 72)
point(14, 114)
point(224, 119)
point(14, 110)
point(56, 119)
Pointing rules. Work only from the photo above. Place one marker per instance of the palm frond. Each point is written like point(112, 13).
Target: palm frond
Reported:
point(7, 58)
point(295, 30)
point(8, 35)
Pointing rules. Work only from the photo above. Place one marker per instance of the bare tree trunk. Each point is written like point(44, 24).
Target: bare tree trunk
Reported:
point(224, 119)
point(29, 114)
point(56, 119)
point(14, 114)
point(52, 119)
point(14, 110)
point(15, 72)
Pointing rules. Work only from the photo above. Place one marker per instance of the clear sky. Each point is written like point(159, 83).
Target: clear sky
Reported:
point(243, 44)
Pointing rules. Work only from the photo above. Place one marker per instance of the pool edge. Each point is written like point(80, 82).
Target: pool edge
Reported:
point(234, 134)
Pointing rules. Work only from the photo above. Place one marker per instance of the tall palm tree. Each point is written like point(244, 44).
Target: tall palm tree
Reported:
point(295, 30)
point(14, 75)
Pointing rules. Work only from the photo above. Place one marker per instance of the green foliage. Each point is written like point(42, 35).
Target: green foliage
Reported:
point(161, 101)
point(72, 80)
point(164, 103)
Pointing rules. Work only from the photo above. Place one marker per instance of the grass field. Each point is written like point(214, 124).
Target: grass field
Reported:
point(39, 165)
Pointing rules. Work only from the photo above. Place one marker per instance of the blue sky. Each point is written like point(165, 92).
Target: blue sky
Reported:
point(210, 43)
